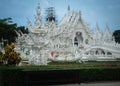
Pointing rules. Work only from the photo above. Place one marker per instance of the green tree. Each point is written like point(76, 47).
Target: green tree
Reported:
point(116, 34)
point(7, 29)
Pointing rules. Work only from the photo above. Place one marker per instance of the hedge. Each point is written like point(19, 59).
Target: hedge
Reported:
point(14, 76)
point(11, 77)
point(100, 74)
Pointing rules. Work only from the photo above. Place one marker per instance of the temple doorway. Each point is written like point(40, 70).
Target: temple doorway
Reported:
point(78, 38)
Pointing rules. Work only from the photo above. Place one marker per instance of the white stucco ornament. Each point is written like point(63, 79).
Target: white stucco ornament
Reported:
point(69, 40)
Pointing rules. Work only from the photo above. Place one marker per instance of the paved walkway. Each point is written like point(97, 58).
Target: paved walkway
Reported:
point(114, 83)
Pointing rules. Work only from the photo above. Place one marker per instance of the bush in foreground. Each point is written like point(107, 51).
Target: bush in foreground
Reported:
point(11, 57)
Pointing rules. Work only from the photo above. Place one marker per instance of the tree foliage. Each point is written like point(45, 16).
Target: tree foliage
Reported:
point(7, 29)
point(116, 34)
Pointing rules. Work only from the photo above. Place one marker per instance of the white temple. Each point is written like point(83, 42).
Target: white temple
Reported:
point(69, 40)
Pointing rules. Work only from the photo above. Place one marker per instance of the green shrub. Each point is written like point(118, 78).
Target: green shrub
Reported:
point(11, 57)
point(1, 58)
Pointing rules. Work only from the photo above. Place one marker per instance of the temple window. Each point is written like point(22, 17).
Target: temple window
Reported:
point(109, 53)
point(75, 41)
point(103, 52)
point(96, 53)
point(78, 38)
point(86, 41)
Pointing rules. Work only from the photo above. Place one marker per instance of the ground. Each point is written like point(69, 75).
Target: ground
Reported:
point(109, 83)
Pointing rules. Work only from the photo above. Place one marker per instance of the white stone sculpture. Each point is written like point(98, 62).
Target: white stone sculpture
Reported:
point(69, 40)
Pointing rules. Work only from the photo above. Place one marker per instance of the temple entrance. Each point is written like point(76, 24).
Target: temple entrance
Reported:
point(78, 38)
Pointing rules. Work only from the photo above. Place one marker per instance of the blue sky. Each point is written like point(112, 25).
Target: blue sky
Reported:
point(100, 11)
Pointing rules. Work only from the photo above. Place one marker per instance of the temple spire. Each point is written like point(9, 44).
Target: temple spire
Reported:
point(79, 15)
point(107, 28)
point(107, 34)
point(38, 9)
point(29, 22)
point(97, 28)
point(38, 18)
point(98, 33)
point(68, 7)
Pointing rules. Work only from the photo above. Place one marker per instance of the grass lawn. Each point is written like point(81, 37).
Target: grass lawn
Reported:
point(66, 65)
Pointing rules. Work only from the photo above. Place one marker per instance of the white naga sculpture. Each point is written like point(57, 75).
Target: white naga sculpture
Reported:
point(69, 40)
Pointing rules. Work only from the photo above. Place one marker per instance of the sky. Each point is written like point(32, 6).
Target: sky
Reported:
point(93, 11)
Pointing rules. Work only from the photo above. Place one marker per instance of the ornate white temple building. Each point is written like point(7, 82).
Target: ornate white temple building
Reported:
point(69, 40)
